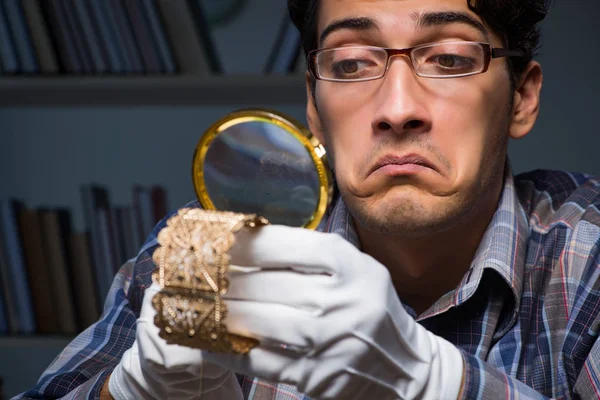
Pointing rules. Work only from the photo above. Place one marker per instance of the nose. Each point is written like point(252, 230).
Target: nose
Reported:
point(401, 104)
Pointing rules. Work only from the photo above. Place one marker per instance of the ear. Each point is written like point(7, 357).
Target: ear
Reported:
point(312, 115)
point(526, 101)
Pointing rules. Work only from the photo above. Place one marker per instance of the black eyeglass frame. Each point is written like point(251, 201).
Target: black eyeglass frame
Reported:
point(489, 53)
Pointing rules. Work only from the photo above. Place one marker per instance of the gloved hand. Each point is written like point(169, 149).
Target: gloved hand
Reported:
point(330, 322)
point(153, 369)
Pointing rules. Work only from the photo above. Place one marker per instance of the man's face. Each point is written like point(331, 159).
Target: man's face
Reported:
point(445, 138)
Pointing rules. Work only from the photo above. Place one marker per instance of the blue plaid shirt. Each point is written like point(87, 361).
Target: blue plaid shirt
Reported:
point(525, 316)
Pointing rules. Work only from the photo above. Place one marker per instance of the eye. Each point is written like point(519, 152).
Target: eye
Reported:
point(351, 63)
point(451, 61)
point(347, 66)
point(447, 60)
point(351, 68)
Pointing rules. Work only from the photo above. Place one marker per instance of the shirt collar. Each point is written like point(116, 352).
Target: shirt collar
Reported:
point(502, 248)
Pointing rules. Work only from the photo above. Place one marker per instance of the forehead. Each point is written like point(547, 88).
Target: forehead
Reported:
point(399, 16)
point(335, 7)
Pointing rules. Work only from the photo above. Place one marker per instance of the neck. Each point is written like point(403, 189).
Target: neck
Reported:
point(425, 268)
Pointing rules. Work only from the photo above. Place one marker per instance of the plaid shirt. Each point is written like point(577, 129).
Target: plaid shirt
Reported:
point(525, 316)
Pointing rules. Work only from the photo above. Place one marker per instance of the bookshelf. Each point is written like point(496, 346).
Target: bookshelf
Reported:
point(139, 68)
point(176, 90)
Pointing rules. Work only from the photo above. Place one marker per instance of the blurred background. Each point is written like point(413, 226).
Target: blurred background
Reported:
point(90, 120)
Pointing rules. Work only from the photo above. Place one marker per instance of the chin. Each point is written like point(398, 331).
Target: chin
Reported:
point(403, 212)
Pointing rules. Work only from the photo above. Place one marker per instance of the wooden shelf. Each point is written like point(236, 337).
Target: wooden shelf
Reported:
point(151, 91)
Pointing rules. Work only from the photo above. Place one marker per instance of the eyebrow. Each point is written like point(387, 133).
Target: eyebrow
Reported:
point(355, 24)
point(423, 20)
point(440, 18)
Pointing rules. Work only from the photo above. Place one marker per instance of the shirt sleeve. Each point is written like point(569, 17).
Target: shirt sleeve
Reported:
point(82, 368)
point(483, 381)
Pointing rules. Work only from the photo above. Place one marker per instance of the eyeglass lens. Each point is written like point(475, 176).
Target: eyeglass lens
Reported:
point(446, 59)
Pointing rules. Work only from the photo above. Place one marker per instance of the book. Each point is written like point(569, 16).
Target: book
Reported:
point(101, 263)
point(55, 232)
point(123, 26)
point(84, 291)
point(132, 225)
point(104, 33)
point(8, 55)
point(142, 202)
point(116, 235)
point(286, 50)
point(17, 277)
point(39, 273)
point(122, 235)
point(59, 34)
point(40, 37)
point(21, 36)
point(158, 194)
point(106, 20)
point(75, 31)
point(7, 291)
point(188, 47)
point(203, 31)
point(143, 36)
point(90, 36)
point(159, 36)
point(129, 234)
point(3, 315)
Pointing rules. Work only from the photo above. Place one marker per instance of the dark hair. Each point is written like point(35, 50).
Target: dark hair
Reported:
point(514, 20)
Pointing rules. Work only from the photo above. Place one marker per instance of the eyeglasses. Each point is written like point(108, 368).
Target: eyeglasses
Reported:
point(432, 60)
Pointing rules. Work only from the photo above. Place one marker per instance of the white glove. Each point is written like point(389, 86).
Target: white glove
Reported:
point(153, 369)
point(330, 322)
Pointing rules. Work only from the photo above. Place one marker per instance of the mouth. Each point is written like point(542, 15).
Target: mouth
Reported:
point(396, 165)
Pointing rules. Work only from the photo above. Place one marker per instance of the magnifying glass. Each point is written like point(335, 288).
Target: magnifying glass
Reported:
point(260, 161)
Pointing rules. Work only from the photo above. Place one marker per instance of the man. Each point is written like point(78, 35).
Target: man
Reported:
point(445, 276)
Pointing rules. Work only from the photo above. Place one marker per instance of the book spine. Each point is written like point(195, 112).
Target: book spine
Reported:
point(143, 202)
point(14, 256)
point(59, 278)
point(105, 15)
point(91, 38)
point(76, 34)
point(204, 34)
point(182, 33)
point(157, 29)
point(286, 49)
point(102, 28)
point(143, 37)
point(38, 271)
point(159, 203)
point(3, 316)
point(65, 44)
point(41, 37)
point(8, 291)
point(86, 299)
point(123, 25)
point(103, 281)
point(21, 35)
point(10, 62)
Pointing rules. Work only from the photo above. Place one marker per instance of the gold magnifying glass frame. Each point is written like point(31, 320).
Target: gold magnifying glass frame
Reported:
point(297, 130)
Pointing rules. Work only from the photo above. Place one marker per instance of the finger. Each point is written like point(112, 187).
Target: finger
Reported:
point(277, 246)
point(279, 287)
point(148, 312)
point(270, 364)
point(273, 324)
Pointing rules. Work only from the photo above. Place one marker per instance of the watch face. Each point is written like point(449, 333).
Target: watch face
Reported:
point(221, 11)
